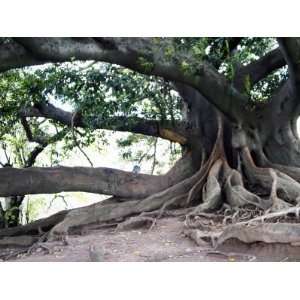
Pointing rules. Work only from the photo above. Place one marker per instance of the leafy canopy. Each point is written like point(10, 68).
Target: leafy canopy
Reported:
point(104, 91)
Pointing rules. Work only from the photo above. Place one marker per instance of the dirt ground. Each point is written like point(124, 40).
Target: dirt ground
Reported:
point(165, 242)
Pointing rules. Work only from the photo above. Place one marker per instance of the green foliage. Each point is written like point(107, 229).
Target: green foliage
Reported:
point(248, 50)
point(140, 149)
point(33, 207)
point(145, 64)
point(185, 67)
point(98, 91)
point(247, 84)
point(262, 91)
point(101, 92)
point(10, 216)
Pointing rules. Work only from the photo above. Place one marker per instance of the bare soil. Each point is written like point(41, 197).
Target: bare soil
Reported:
point(164, 242)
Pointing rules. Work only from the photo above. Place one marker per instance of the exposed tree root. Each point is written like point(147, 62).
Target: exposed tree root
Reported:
point(277, 203)
point(136, 222)
point(61, 223)
point(35, 227)
point(291, 171)
point(232, 216)
point(288, 189)
point(267, 233)
point(248, 233)
point(211, 192)
point(18, 241)
point(210, 168)
point(246, 227)
point(172, 203)
point(181, 212)
point(215, 187)
point(238, 196)
point(275, 216)
point(197, 236)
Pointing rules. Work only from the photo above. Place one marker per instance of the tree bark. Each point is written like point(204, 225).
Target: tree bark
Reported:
point(106, 181)
point(234, 156)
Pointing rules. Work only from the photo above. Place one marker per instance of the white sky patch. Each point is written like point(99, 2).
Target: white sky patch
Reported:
point(59, 104)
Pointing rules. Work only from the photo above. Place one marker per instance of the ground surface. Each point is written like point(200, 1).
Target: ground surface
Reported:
point(165, 242)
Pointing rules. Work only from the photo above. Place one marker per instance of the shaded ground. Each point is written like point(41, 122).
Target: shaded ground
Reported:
point(165, 242)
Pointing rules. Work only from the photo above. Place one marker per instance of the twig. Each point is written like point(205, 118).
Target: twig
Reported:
point(75, 139)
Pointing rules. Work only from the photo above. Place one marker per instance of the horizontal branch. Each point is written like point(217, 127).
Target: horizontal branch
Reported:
point(13, 55)
point(173, 131)
point(143, 55)
point(106, 181)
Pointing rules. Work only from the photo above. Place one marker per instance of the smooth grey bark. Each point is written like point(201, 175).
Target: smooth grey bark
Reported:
point(277, 127)
point(290, 48)
point(208, 174)
point(206, 95)
point(106, 181)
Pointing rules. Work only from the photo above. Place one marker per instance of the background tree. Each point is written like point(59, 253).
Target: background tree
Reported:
point(231, 103)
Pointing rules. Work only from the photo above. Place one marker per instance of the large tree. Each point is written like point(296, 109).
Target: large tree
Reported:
point(231, 103)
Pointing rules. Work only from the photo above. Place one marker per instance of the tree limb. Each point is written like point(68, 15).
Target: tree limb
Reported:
point(175, 132)
point(139, 54)
point(290, 48)
point(106, 181)
point(33, 156)
point(13, 55)
point(259, 69)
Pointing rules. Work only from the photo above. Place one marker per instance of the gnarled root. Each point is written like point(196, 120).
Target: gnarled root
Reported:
point(268, 233)
point(287, 188)
point(199, 237)
point(283, 191)
point(238, 196)
point(214, 186)
point(98, 213)
point(136, 222)
point(211, 193)
point(277, 203)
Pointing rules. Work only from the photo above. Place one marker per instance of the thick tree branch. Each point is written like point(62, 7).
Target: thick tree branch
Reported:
point(33, 156)
point(93, 180)
point(290, 48)
point(281, 105)
point(57, 179)
point(13, 55)
point(173, 131)
point(259, 69)
point(139, 54)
